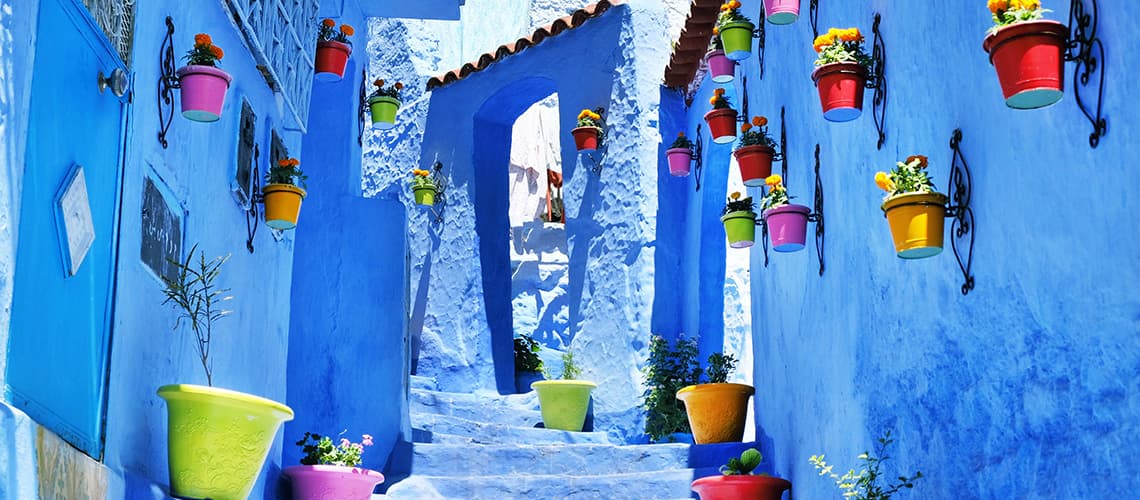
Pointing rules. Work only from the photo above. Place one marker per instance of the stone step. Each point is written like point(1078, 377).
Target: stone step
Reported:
point(518, 409)
point(423, 383)
point(426, 425)
point(466, 460)
point(569, 486)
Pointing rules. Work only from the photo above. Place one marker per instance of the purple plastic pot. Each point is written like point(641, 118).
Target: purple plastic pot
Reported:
point(722, 69)
point(679, 160)
point(312, 482)
point(782, 11)
point(787, 227)
point(203, 92)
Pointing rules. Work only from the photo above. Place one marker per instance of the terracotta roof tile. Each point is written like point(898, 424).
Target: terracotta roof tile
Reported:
point(692, 44)
point(574, 20)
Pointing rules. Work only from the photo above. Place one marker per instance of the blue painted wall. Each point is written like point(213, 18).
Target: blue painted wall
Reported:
point(1025, 387)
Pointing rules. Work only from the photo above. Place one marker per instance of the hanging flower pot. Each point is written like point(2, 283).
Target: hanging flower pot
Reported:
point(740, 227)
point(314, 482)
point(755, 164)
point(585, 139)
point(424, 188)
point(740, 487)
point(721, 68)
point(282, 205)
point(332, 58)
point(717, 412)
point(203, 85)
point(787, 227)
point(383, 103)
point(916, 213)
point(564, 403)
point(722, 125)
point(424, 196)
point(840, 88)
point(737, 40)
point(1030, 61)
point(680, 156)
point(782, 11)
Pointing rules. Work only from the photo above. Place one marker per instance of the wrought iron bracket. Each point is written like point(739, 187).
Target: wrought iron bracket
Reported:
point(783, 145)
point(698, 156)
point(440, 182)
point(961, 187)
point(743, 115)
point(362, 111)
point(878, 82)
point(596, 162)
point(256, 197)
point(817, 214)
point(813, 16)
point(760, 34)
point(1086, 49)
point(763, 223)
point(167, 83)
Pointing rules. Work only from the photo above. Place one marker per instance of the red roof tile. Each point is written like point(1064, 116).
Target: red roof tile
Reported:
point(574, 20)
point(692, 44)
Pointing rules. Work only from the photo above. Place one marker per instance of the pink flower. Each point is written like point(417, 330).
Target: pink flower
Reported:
point(367, 440)
point(344, 442)
point(358, 446)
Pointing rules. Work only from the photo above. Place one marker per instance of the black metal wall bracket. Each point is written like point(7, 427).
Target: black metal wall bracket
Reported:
point(813, 16)
point(878, 82)
point(783, 145)
point(440, 182)
point(1082, 43)
point(815, 216)
point(362, 111)
point(596, 162)
point(743, 115)
point(167, 83)
point(961, 187)
point(698, 156)
point(256, 197)
point(760, 34)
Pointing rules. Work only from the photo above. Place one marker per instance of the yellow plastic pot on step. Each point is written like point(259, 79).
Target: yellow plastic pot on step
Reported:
point(564, 402)
point(917, 221)
point(217, 439)
point(716, 411)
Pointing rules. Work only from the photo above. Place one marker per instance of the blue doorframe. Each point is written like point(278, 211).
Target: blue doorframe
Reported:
point(60, 332)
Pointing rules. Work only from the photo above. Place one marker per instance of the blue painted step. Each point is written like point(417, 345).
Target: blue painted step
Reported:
point(516, 409)
point(425, 383)
point(465, 460)
point(566, 486)
point(424, 425)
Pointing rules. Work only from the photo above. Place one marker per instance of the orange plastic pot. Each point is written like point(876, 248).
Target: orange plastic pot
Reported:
point(740, 487)
point(1030, 61)
point(716, 411)
point(917, 221)
point(282, 205)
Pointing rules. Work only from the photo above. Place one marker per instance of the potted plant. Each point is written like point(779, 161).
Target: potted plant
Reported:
point(564, 402)
point(787, 222)
point(590, 130)
point(739, 218)
point(424, 188)
point(735, 31)
point(782, 11)
point(217, 439)
point(680, 156)
point(717, 409)
point(528, 366)
point(383, 103)
point(330, 471)
point(915, 211)
point(282, 195)
point(864, 485)
point(755, 152)
point(669, 369)
point(333, 50)
point(842, 73)
point(721, 119)
point(1028, 53)
point(203, 85)
point(737, 482)
point(721, 68)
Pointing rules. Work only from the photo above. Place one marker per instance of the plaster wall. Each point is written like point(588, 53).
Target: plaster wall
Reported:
point(1013, 391)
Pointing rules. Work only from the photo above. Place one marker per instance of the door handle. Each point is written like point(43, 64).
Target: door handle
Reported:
point(117, 81)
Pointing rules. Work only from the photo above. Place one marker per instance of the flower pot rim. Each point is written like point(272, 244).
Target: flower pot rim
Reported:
point(344, 469)
point(714, 53)
point(384, 98)
point(423, 188)
point(739, 214)
point(575, 130)
point(578, 383)
point(721, 111)
point(671, 151)
point(275, 187)
point(790, 207)
point(900, 200)
point(202, 69)
point(738, 24)
point(192, 391)
point(691, 389)
point(853, 68)
point(1042, 27)
point(333, 44)
point(754, 148)
point(745, 478)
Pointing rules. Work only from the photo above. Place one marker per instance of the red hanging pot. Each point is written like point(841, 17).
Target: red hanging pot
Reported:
point(722, 125)
point(332, 57)
point(755, 164)
point(585, 139)
point(1030, 61)
point(840, 90)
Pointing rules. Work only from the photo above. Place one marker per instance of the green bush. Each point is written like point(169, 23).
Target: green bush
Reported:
point(526, 355)
point(669, 369)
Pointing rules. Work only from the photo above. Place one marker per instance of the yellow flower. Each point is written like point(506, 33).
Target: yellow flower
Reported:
point(712, 100)
point(734, 4)
point(884, 182)
point(998, 5)
point(716, 31)
point(773, 180)
point(735, 195)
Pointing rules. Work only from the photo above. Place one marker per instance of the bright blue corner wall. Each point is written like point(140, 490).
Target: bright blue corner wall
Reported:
point(1025, 387)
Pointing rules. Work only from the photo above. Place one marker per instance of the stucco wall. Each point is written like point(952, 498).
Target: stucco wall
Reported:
point(1023, 388)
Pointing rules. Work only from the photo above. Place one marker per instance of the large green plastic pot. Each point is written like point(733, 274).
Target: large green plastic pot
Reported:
point(217, 439)
point(564, 402)
point(740, 227)
point(737, 40)
point(383, 111)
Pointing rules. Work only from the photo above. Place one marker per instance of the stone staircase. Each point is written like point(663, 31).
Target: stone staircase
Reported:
point(487, 446)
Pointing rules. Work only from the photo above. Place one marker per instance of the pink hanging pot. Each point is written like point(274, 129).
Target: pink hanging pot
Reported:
point(782, 11)
point(315, 482)
point(787, 227)
point(203, 92)
point(679, 161)
point(721, 68)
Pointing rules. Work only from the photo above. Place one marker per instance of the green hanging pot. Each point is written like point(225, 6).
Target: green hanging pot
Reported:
point(564, 403)
point(740, 227)
point(424, 196)
point(737, 40)
point(383, 111)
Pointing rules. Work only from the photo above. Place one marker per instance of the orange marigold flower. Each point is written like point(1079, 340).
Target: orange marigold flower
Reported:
point(719, 91)
point(217, 51)
point(716, 31)
point(378, 82)
point(735, 195)
point(922, 161)
point(773, 180)
point(734, 4)
point(328, 22)
point(745, 127)
point(712, 100)
point(759, 121)
point(284, 162)
point(998, 5)
point(398, 85)
point(347, 30)
point(680, 134)
point(202, 39)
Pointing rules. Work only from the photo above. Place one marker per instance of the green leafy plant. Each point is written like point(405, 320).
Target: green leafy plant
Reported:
point(841, 46)
point(392, 91)
point(287, 171)
point(319, 450)
point(570, 368)
point(1007, 12)
point(777, 194)
point(682, 142)
point(721, 367)
point(526, 355)
point(195, 293)
point(669, 369)
point(719, 101)
point(421, 179)
point(729, 13)
point(864, 485)
point(327, 31)
point(755, 133)
point(204, 53)
point(736, 204)
point(749, 460)
point(907, 177)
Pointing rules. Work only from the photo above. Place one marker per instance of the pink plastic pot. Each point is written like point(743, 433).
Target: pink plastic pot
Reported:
point(722, 69)
point(679, 160)
point(320, 482)
point(203, 92)
point(782, 11)
point(787, 227)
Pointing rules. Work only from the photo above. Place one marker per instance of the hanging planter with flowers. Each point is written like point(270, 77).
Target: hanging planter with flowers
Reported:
point(735, 31)
point(384, 102)
point(330, 471)
point(914, 210)
point(590, 132)
point(424, 187)
point(722, 118)
point(721, 68)
point(1028, 53)
point(333, 50)
point(739, 218)
point(842, 73)
point(680, 156)
point(282, 194)
point(755, 152)
point(787, 222)
point(203, 85)
point(781, 11)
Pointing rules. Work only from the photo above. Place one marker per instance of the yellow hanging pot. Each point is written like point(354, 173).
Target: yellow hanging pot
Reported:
point(917, 221)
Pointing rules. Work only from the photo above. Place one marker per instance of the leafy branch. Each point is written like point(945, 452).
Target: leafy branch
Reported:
point(198, 299)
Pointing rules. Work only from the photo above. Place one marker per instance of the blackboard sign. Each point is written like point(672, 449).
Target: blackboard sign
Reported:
point(161, 232)
point(245, 154)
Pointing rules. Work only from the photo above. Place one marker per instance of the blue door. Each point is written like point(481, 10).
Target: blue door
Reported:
point(65, 257)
